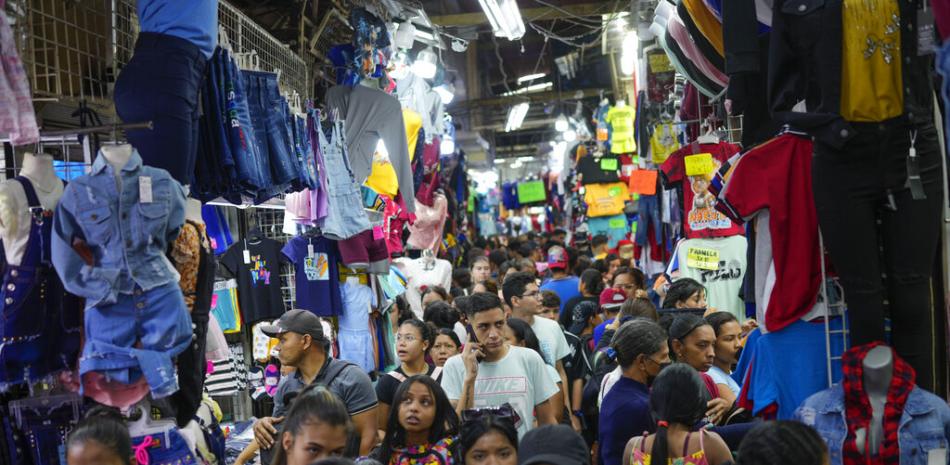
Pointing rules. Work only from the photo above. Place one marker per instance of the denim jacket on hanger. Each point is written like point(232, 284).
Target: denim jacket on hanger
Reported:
point(126, 237)
point(924, 426)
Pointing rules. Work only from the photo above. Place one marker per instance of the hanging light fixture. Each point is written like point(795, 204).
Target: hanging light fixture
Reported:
point(425, 64)
point(405, 35)
point(505, 18)
point(628, 56)
point(561, 124)
point(516, 116)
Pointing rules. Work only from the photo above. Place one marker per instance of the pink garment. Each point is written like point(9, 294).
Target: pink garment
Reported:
point(16, 102)
point(426, 232)
point(298, 205)
point(113, 393)
point(392, 226)
point(681, 36)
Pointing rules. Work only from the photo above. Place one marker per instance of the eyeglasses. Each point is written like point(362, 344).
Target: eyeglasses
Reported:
point(503, 411)
point(534, 294)
point(407, 338)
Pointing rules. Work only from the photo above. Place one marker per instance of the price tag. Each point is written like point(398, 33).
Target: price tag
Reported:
point(703, 259)
point(699, 165)
point(247, 257)
point(926, 33)
point(608, 164)
point(603, 135)
point(643, 182)
point(145, 189)
point(310, 250)
point(617, 223)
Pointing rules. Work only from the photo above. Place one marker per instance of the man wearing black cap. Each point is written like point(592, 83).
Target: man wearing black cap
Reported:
point(553, 445)
point(303, 345)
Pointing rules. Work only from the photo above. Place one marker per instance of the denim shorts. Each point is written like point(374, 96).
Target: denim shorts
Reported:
point(157, 319)
point(271, 130)
point(345, 216)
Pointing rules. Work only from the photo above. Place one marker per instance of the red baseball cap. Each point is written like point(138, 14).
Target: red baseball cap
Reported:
point(611, 298)
point(557, 257)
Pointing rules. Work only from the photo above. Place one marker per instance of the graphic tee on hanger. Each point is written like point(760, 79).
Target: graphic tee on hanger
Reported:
point(719, 265)
point(424, 272)
point(605, 199)
point(257, 272)
point(663, 143)
point(701, 219)
point(316, 266)
point(598, 170)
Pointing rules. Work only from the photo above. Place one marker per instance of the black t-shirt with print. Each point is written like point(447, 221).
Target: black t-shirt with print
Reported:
point(258, 278)
point(599, 170)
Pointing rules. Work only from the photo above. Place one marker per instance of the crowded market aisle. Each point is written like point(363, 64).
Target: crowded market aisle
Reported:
point(296, 249)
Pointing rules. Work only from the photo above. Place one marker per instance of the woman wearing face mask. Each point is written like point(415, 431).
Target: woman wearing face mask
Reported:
point(422, 428)
point(692, 341)
point(317, 426)
point(446, 344)
point(641, 350)
point(413, 339)
point(677, 402)
point(489, 440)
point(727, 346)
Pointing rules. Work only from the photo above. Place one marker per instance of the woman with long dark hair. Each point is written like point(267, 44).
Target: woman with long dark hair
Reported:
point(101, 438)
point(422, 428)
point(317, 426)
point(692, 342)
point(677, 402)
point(446, 344)
point(413, 340)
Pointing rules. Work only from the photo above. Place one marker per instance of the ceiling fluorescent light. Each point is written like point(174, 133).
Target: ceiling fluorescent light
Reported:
point(531, 77)
point(529, 89)
point(505, 18)
point(424, 35)
point(516, 116)
point(628, 57)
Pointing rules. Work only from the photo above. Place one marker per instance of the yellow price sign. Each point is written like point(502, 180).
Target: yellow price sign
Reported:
point(699, 164)
point(659, 63)
point(702, 259)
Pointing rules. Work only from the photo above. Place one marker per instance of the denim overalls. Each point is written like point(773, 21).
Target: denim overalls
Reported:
point(40, 324)
point(345, 217)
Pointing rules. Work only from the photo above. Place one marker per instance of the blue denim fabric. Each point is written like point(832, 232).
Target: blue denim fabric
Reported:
point(46, 430)
point(270, 128)
point(138, 335)
point(924, 425)
point(171, 451)
point(345, 216)
point(216, 170)
point(126, 237)
point(943, 67)
point(39, 322)
point(649, 212)
point(161, 84)
point(242, 137)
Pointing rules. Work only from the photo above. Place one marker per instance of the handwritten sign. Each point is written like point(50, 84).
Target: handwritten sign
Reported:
point(643, 182)
point(702, 259)
point(608, 164)
point(699, 165)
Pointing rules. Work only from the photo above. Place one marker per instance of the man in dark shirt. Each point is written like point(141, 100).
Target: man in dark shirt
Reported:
point(303, 345)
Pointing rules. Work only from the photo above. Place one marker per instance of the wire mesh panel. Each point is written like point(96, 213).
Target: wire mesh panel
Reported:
point(271, 222)
point(73, 50)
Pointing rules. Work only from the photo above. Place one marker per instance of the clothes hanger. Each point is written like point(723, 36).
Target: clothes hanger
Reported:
point(148, 428)
point(43, 404)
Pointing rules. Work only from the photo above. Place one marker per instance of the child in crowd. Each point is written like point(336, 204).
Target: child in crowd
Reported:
point(101, 438)
point(422, 428)
point(316, 427)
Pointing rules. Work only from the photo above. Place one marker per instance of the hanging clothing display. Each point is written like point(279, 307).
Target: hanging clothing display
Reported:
point(255, 264)
point(316, 263)
point(426, 231)
point(598, 170)
point(719, 265)
point(423, 272)
point(701, 219)
point(663, 143)
point(606, 199)
point(17, 119)
point(345, 217)
point(354, 338)
point(621, 120)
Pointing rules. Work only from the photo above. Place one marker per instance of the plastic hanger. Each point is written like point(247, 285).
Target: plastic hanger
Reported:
point(145, 426)
point(43, 404)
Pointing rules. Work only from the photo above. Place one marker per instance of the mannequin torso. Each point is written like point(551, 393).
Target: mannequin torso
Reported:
point(14, 206)
point(117, 156)
point(878, 370)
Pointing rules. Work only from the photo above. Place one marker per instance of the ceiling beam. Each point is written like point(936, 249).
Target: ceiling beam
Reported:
point(529, 14)
point(546, 96)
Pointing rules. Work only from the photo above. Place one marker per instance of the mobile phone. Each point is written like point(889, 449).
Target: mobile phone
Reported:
point(474, 339)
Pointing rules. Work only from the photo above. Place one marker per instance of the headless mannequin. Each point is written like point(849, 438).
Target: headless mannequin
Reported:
point(14, 207)
point(878, 370)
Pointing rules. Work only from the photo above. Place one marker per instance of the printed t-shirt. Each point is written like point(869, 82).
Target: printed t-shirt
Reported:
point(421, 272)
point(318, 276)
point(663, 143)
point(598, 170)
point(605, 199)
point(614, 227)
point(719, 265)
point(520, 379)
point(565, 288)
point(258, 278)
point(551, 339)
point(387, 384)
point(621, 124)
point(772, 184)
point(699, 205)
point(875, 69)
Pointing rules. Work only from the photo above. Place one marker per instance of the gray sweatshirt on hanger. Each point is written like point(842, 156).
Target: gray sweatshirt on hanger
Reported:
point(370, 115)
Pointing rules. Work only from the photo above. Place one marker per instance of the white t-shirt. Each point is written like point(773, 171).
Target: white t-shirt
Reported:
point(721, 377)
point(723, 277)
point(520, 378)
point(551, 338)
point(607, 383)
point(440, 274)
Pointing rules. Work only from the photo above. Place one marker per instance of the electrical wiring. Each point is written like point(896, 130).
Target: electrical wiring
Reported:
point(501, 63)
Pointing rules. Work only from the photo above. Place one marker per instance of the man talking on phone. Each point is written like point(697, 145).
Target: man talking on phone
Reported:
point(489, 372)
